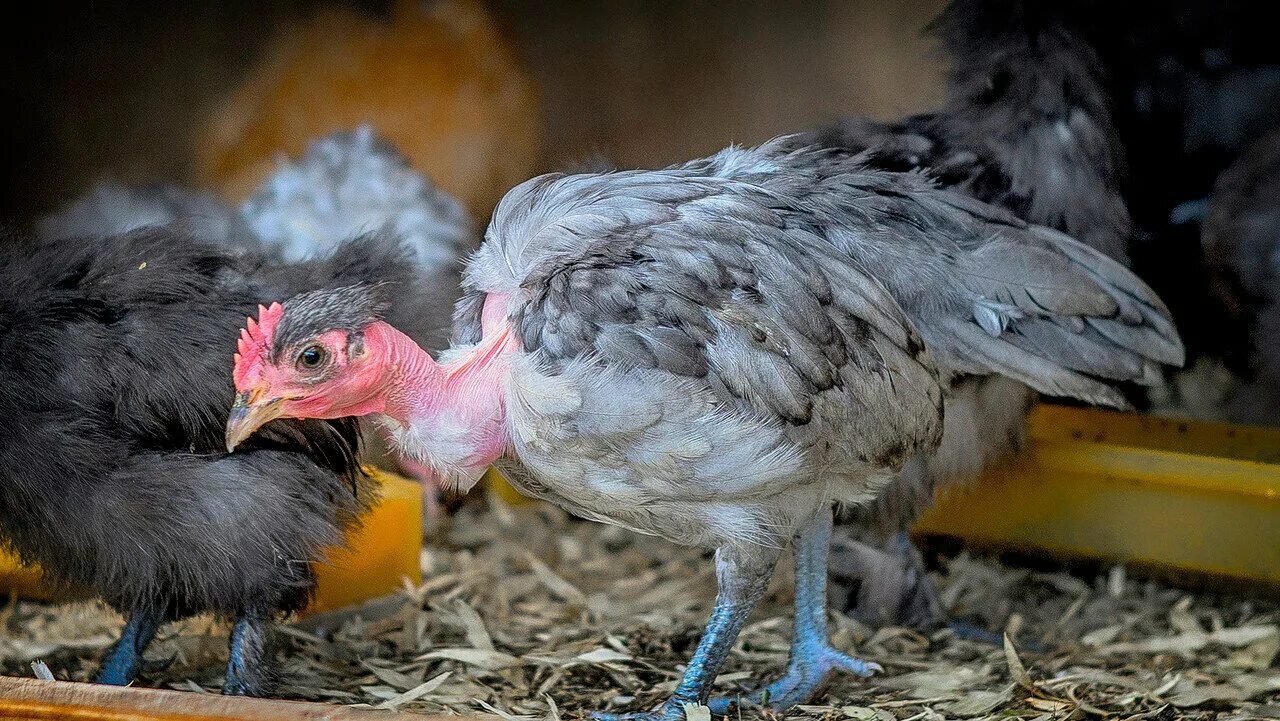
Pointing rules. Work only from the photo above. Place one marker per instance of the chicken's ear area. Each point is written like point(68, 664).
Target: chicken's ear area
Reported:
point(249, 412)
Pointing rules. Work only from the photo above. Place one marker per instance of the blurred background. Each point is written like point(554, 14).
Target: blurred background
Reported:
point(482, 94)
point(131, 89)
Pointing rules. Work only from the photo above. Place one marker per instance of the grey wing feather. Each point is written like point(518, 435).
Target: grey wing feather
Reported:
point(355, 182)
point(704, 281)
point(1143, 323)
point(972, 276)
point(1034, 280)
point(1076, 320)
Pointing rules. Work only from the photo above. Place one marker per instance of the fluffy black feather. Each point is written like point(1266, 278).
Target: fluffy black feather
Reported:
point(1026, 123)
point(115, 357)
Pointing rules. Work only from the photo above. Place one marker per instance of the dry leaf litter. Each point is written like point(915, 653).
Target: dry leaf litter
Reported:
point(525, 613)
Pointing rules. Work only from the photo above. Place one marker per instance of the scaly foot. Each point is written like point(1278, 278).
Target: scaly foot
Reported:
point(807, 674)
point(672, 710)
point(250, 668)
point(123, 660)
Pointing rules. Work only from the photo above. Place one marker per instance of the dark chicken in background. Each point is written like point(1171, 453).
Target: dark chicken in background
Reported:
point(1242, 246)
point(1194, 83)
point(1026, 125)
point(113, 471)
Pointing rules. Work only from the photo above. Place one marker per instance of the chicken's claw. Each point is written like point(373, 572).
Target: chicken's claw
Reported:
point(669, 711)
point(808, 673)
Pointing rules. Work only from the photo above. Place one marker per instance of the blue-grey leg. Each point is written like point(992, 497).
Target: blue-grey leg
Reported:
point(813, 660)
point(743, 577)
point(250, 667)
point(123, 660)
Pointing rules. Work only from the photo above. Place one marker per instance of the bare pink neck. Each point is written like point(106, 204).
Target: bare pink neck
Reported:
point(453, 413)
point(413, 379)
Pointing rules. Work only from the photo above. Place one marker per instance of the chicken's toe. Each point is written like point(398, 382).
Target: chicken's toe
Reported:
point(807, 674)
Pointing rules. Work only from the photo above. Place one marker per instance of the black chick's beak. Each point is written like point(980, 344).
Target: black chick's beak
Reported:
point(250, 412)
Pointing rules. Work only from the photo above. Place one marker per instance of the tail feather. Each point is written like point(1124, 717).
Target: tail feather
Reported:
point(1084, 351)
point(1144, 324)
point(974, 352)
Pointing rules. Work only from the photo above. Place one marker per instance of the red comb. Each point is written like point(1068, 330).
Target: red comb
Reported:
point(254, 345)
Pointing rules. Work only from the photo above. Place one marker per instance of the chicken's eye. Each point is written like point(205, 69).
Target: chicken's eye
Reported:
point(311, 357)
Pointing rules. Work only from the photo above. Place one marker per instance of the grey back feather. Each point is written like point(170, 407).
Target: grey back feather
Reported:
point(709, 279)
point(350, 183)
point(818, 224)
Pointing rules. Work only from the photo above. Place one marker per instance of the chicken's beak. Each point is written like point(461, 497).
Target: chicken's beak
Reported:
point(250, 412)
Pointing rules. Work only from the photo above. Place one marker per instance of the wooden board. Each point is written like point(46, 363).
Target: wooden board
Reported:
point(23, 699)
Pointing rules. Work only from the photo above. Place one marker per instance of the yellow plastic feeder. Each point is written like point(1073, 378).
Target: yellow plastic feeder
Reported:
point(1172, 495)
point(495, 482)
point(382, 552)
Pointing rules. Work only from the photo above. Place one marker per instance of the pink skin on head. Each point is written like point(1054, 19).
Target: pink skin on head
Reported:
point(348, 384)
point(254, 344)
point(387, 373)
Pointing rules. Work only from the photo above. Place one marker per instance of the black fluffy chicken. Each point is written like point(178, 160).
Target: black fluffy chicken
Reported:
point(346, 183)
point(113, 471)
point(1196, 84)
point(1242, 247)
point(1026, 125)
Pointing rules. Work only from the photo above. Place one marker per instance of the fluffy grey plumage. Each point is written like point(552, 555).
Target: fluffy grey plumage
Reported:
point(1242, 245)
point(732, 277)
point(355, 182)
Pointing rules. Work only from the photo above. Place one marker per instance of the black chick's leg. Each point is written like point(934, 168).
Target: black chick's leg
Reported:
point(123, 660)
point(743, 575)
point(250, 668)
point(813, 659)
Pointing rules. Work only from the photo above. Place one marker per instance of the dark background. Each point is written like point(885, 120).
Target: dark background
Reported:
point(118, 87)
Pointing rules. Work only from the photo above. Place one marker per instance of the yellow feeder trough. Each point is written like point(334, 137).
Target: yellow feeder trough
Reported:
point(495, 482)
point(1172, 495)
point(382, 552)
